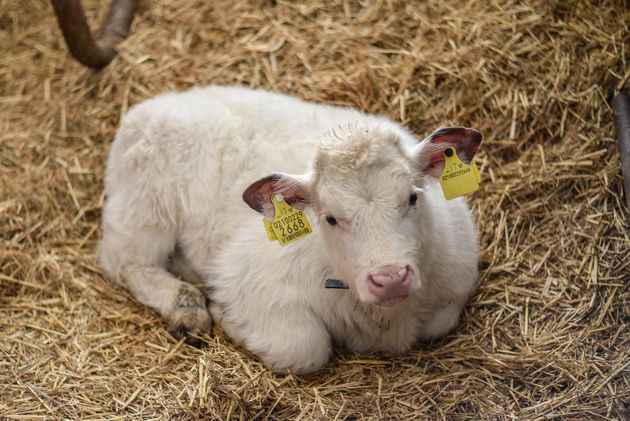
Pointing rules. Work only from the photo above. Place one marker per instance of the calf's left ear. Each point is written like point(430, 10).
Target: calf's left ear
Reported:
point(294, 189)
point(430, 152)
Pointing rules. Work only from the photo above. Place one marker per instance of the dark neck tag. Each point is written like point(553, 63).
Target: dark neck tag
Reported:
point(335, 284)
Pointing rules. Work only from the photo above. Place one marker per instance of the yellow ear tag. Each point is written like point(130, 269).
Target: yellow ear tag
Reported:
point(458, 178)
point(288, 225)
point(269, 228)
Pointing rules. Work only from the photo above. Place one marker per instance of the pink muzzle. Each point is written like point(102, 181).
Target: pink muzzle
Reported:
point(391, 285)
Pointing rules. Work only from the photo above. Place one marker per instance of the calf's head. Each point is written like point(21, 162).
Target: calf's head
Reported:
point(366, 185)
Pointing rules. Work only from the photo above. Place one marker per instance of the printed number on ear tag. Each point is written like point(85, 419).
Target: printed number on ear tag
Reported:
point(288, 225)
point(458, 178)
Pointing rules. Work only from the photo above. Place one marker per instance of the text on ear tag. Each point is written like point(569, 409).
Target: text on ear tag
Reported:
point(288, 225)
point(271, 235)
point(458, 178)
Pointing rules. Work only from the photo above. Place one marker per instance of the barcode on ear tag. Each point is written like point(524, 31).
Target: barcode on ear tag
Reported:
point(458, 178)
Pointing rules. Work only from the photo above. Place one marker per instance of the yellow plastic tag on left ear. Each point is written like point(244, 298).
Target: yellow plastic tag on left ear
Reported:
point(458, 178)
point(288, 225)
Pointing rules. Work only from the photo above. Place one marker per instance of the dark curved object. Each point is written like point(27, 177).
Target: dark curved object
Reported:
point(94, 52)
point(621, 108)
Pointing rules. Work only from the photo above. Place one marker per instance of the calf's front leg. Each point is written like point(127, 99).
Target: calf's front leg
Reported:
point(181, 304)
point(138, 264)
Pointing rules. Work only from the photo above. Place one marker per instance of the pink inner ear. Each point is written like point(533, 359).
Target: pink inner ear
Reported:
point(258, 194)
point(448, 138)
point(292, 192)
point(293, 195)
point(465, 141)
point(436, 164)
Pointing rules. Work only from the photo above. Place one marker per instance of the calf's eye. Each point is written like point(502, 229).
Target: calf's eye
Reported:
point(331, 220)
point(413, 198)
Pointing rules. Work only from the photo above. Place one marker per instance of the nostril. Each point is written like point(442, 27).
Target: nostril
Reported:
point(393, 282)
point(392, 277)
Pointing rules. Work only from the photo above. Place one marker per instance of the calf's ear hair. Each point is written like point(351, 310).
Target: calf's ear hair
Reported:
point(293, 189)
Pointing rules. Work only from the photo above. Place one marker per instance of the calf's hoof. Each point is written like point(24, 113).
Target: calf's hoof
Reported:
point(190, 315)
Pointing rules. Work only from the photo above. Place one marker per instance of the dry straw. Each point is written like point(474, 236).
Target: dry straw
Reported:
point(544, 337)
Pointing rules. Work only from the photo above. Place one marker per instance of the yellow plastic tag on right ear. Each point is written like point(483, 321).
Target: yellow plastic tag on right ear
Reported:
point(458, 178)
point(271, 235)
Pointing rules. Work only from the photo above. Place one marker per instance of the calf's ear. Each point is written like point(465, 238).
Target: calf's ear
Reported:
point(294, 189)
point(430, 152)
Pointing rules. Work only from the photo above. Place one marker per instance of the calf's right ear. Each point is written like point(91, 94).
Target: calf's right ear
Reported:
point(294, 189)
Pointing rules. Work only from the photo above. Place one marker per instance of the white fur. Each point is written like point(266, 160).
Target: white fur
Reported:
point(177, 169)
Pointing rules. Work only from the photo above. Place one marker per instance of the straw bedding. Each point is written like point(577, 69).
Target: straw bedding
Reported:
point(544, 337)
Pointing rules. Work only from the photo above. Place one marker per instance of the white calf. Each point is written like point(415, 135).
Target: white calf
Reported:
point(178, 168)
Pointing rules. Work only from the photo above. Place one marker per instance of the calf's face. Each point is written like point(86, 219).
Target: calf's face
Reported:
point(366, 187)
point(366, 193)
